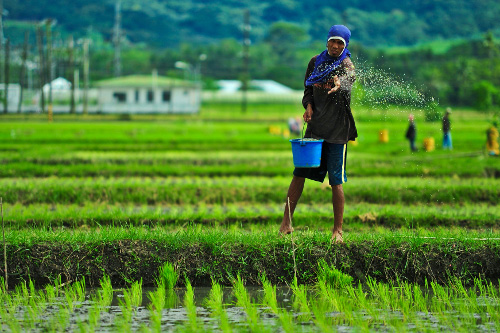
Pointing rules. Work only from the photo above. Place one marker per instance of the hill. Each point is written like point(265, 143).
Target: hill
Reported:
point(166, 24)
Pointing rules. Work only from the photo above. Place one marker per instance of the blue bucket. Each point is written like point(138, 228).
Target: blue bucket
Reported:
point(306, 153)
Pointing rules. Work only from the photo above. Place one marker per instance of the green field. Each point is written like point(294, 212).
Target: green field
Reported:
point(97, 197)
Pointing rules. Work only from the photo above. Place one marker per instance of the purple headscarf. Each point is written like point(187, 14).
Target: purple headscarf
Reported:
point(325, 64)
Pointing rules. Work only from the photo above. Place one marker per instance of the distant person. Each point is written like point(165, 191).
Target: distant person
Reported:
point(411, 132)
point(294, 125)
point(327, 103)
point(492, 140)
point(447, 130)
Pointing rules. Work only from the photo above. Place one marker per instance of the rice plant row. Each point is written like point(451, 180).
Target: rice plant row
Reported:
point(314, 216)
point(225, 190)
point(243, 163)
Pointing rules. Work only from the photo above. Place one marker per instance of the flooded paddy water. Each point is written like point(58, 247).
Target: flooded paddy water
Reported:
point(294, 308)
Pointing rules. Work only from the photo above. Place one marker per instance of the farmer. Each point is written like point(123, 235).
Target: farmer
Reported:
point(411, 132)
point(446, 130)
point(491, 140)
point(327, 99)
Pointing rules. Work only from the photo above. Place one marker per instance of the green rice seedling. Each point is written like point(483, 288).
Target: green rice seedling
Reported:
point(8, 319)
point(94, 317)
point(157, 303)
point(101, 301)
point(332, 276)
point(75, 293)
point(407, 304)
point(171, 299)
point(192, 324)
point(22, 293)
point(3, 287)
point(243, 300)
point(136, 293)
point(57, 284)
point(271, 302)
point(60, 320)
point(339, 300)
point(132, 298)
point(49, 293)
point(493, 300)
point(320, 310)
point(105, 294)
point(168, 276)
point(300, 301)
point(441, 295)
point(381, 292)
point(215, 303)
point(270, 299)
point(420, 300)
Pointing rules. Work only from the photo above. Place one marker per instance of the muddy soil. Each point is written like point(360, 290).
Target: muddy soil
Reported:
point(126, 261)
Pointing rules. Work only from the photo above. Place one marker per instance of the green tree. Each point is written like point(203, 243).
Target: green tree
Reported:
point(485, 93)
point(285, 38)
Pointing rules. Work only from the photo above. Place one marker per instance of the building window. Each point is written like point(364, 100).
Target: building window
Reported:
point(137, 96)
point(120, 97)
point(151, 96)
point(166, 95)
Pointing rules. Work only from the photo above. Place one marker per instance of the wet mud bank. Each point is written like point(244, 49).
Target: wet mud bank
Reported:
point(126, 261)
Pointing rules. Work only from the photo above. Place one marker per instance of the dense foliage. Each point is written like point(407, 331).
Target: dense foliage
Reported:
point(451, 55)
point(166, 23)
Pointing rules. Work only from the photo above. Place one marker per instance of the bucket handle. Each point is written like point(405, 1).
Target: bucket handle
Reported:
point(302, 143)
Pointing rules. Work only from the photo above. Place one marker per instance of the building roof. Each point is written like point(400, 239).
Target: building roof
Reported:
point(136, 81)
point(269, 86)
point(59, 84)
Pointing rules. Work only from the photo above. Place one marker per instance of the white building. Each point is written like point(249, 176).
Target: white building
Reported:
point(13, 92)
point(268, 86)
point(148, 94)
point(59, 85)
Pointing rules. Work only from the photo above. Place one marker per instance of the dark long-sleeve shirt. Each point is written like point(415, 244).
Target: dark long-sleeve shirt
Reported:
point(446, 124)
point(332, 118)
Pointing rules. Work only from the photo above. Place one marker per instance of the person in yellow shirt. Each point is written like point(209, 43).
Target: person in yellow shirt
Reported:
point(492, 140)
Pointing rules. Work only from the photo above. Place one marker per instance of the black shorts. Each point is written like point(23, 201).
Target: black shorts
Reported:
point(333, 158)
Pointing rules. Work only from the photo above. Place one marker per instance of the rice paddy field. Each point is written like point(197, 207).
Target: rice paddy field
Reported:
point(170, 223)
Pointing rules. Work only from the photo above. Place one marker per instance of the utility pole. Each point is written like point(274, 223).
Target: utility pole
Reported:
point(48, 30)
point(41, 66)
point(6, 77)
point(1, 22)
point(246, 45)
point(23, 71)
point(117, 36)
point(85, 75)
point(71, 75)
point(1, 35)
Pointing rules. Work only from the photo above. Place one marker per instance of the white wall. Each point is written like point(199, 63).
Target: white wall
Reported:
point(182, 100)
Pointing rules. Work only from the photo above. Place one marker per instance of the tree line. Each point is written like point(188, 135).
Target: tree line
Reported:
point(465, 74)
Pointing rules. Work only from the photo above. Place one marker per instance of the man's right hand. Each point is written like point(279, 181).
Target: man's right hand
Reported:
point(308, 113)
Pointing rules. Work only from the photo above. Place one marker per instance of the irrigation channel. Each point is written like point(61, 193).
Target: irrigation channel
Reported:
point(334, 303)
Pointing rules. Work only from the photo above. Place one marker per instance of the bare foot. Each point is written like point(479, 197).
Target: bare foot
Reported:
point(286, 230)
point(337, 237)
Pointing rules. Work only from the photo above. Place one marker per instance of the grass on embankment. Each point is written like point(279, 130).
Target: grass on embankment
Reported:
point(202, 254)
